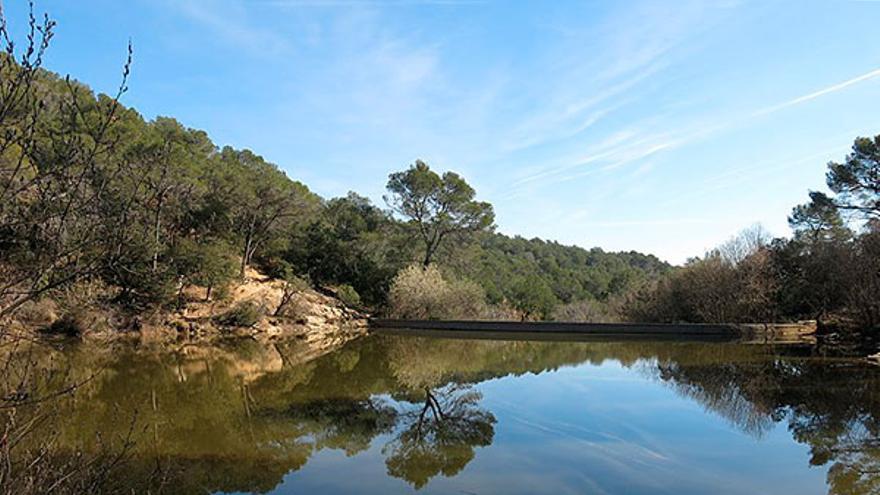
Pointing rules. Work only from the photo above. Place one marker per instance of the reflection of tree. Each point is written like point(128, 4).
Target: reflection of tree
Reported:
point(440, 436)
point(723, 389)
point(856, 461)
point(349, 425)
point(834, 407)
point(836, 411)
point(274, 417)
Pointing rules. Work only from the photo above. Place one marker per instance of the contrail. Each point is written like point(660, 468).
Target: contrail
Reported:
point(821, 92)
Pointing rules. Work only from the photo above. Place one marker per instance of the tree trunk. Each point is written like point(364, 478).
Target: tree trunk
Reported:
point(158, 227)
point(246, 256)
point(430, 249)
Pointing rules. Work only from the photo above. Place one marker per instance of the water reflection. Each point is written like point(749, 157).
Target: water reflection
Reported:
point(439, 437)
point(831, 406)
point(241, 417)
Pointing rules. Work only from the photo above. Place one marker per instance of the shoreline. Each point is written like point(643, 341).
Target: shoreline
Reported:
point(797, 332)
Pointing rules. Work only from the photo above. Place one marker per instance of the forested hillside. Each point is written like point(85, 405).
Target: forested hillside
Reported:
point(570, 273)
point(97, 200)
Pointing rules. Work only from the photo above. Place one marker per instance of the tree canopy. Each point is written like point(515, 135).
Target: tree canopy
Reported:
point(856, 180)
point(438, 207)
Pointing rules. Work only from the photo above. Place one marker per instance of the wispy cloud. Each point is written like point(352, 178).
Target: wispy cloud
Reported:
point(646, 223)
point(569, 115)
point(622, 148)
point(229, 21)
point(597, 75)
point(633, 151)
point(816, 94)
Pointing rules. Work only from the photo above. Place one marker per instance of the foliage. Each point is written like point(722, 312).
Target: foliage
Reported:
point(207, 264)
point(855, 181)
point(93, 192)
point(532, 297)
point(572, 273)
point(818, 221)
point(348, 295)
point(437, 207)
point(54, 175)
point(351, 242)
point(243, 314)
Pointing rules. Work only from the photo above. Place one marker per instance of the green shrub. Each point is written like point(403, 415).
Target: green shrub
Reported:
point(243, 314)
point(276, 267)
point(533, 298)
point(139, 285)
point(207, 264)
point(348, 295)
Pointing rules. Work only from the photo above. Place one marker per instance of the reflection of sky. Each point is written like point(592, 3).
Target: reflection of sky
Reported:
point(591, 429)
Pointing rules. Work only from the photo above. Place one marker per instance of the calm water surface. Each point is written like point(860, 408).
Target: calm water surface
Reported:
point(391, 414)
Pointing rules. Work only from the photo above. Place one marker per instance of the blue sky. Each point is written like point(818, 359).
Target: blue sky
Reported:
point(658, 126)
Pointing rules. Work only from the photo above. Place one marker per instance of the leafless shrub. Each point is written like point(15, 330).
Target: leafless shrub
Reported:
point(709, 290)
point(744, 244)
point(420, 292)
point(586, 311)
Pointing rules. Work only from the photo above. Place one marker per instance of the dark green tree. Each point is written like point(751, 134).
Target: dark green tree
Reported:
point(856, 181)
point(818, 221)
point(262, 203)
point(352, 242)
point(438, 207)
point(209, 264)
point(533, 297)
point(173, 158)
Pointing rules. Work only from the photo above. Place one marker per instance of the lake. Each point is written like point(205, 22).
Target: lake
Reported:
point(398, 414)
